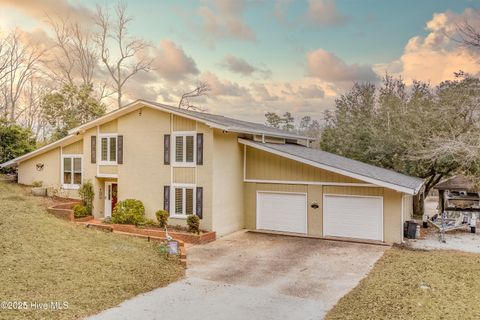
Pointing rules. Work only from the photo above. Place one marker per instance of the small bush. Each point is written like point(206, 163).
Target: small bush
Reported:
point(162, 218)
point(79, 211)
point(129, 211)
point(193, 223)
point(147, 223)
point(37, 184)
point(87, 194)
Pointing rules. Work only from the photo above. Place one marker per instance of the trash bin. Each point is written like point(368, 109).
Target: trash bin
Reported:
point(411, 229)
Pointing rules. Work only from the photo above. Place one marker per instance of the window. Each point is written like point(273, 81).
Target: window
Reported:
point(184, 149)
point(108, 149)
point(72, 171)
point(184, 201)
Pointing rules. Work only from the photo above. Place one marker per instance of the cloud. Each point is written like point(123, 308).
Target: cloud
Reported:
point(436, 56)
point(328, 67)
point(324, 13)
point(223, 87)
point(311, 92)
point(38, 9)
point(223, 19)
point(171, 62)
point(242, 67)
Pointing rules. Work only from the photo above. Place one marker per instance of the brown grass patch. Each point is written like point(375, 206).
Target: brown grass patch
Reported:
point(407, 284)
point(44, 259)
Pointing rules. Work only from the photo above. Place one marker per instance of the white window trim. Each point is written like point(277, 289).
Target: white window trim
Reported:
point(173, 149)
point(172, 199)
point(69, 185)
point(99, 151)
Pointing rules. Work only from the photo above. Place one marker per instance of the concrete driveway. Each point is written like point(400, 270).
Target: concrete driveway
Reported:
point(256, 276)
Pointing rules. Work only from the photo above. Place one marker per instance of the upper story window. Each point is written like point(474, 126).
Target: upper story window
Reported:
point(71, 171)
point(108, 149)
point(184, 149)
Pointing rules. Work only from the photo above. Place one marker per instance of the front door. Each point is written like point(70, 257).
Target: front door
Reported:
point(110, 198)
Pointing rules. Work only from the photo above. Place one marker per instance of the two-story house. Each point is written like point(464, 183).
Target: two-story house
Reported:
point(233, 174)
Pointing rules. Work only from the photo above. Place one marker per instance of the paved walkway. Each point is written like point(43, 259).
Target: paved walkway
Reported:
point(256, 276)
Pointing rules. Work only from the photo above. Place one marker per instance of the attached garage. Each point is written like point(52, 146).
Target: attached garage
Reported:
point(359, 217)
point(282, 211)
point(295, 189)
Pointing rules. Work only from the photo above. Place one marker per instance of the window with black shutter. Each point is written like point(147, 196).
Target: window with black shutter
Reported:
point(166, 198)
point(199, 148)
point(120, 149)
point(166, 149)
point(199, 202)
point(93, 149)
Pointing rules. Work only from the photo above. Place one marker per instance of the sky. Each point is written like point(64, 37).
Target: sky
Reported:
point(279, 55)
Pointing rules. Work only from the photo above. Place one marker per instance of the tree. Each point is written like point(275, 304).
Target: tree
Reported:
point(120, 53)
point(201, 90)
point(14, 140)
point(468, 33)
point(400, 129)
point(273, 120)
point(69, 107)
point(288, 122)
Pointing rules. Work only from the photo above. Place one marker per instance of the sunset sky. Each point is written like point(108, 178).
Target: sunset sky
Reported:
point(282, 55)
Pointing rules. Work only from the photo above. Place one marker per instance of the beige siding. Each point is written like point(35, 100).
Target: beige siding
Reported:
point(113, 169)
point(392, 203)
point(263, 165)
point(183, 124)
point(227, 183)
point(143, 174)
point(90, 172)
point(184, 175)
point(407, 207)
point(74, 148)
point(110, 127)
point(49, 176)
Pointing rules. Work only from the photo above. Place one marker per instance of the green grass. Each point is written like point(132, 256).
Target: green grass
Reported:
point(44, 259)
point(407, 284)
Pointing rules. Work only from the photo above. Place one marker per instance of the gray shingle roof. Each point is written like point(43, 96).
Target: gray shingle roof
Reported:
point(233, 124)
point(347, 165)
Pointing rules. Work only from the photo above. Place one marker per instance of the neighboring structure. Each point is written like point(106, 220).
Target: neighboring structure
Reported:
point(233, 174)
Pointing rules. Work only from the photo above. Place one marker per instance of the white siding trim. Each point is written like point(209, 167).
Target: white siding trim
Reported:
point(319, 183)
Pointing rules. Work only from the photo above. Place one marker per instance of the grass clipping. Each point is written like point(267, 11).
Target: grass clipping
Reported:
point(407, 284)
point(45, 259)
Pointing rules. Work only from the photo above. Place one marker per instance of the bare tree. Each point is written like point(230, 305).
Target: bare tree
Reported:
point(22, 59)
point(125, 60)
point(468, 33)
point(77, 54)
point(185, 101)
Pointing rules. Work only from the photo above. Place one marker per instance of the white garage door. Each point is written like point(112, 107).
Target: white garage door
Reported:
point(353, 217)
point(282, 212)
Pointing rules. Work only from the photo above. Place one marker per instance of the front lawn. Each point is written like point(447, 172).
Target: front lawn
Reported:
point(44, 259)
point(406, 284)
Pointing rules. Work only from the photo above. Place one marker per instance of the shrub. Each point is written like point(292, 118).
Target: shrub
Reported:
point(129, 211)
point(147, 223)
point(80, 211)
point(162, 217)
point(193, 223)
point(87, 194)
point(37, 184)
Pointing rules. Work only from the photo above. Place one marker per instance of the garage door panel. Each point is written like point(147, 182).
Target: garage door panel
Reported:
point(282, 212)
point(353, 217)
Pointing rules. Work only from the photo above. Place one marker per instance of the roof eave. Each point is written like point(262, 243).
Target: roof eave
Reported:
point(381, 183)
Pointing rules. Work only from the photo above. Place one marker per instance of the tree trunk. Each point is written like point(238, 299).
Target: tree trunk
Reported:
point(419, 199)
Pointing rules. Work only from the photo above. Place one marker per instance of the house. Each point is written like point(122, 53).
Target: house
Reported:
point(233, 174)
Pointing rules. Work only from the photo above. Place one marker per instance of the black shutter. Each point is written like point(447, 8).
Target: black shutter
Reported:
point(166, 149)
point(93, 149)
point(200, 148)
point(120, 149)
point(200, 202)
point(166, 198)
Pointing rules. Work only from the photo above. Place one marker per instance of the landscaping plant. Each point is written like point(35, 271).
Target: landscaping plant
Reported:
point(162, 217)
point(80, 211)
point(129, 211)
point(193, 223)
point(87, 194)
point(37, 184)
